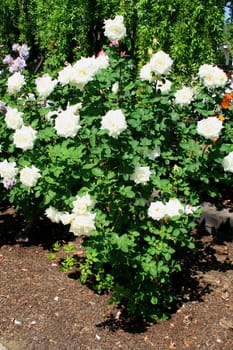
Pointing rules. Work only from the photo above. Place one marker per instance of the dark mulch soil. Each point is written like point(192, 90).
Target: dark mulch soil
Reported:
point(44, 309)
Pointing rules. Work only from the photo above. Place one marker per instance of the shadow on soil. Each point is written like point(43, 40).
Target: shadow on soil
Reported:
point(186, 284)
point(13, 230)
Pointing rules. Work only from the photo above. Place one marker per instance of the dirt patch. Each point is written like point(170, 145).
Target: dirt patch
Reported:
point(44, 309)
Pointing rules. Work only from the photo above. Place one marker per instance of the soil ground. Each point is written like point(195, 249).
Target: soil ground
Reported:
point(44, 309)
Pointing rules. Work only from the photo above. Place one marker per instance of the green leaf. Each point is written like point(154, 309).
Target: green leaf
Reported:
point(97, 172)
point(154, 300)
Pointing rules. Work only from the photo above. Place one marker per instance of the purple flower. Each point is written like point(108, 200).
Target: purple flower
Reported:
point(15, 47)
point(3, 108)
point(17, 65)
point(8, 59)
point(24, 51)
point(8, 183)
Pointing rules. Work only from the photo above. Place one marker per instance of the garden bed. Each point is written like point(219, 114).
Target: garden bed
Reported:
point(44, 309)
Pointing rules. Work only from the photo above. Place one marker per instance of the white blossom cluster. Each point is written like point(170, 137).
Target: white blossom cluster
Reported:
point(78, 74)
point(9, 171)
point(158, 210)
point(212, 76)
point(81, 219)
point(24, 136)
point(83, 71)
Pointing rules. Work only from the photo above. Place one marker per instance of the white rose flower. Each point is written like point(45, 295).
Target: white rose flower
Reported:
point(82, 203)
point(29, 176)
point(160, 63)
point(65, 218)
point(228, 162)
point(114, 29)
point(212, 76)
point(173, 208)
point(220, 77)
point(13, 118)
point(184, 96)
point(45, 85)
point(156, 210)
point(83, 72)
point(83, 224)
point(153, 154)
point(209, 127)
point(163, 86)
point(65, 75)
point(8, 170)
point(15, 83)
point(53, 214)
point(146, 73)
point(24, 137)
point(141, 174)
point(114, 121)
point(67, 123)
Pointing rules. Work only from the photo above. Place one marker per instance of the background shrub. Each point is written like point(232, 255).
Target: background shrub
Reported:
point(59, 31)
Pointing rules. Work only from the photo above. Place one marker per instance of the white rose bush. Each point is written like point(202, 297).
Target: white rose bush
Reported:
point(121, 156)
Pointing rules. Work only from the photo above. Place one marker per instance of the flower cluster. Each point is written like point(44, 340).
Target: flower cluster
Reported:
point(28, 175)
point(173, 208)
point(83, 71)
point(212, 76)
point(81, 219)
point(19, 63)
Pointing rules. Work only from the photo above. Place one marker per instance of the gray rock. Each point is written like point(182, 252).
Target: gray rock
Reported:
point(217, 221)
